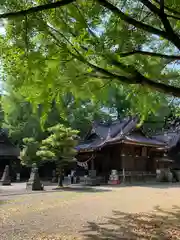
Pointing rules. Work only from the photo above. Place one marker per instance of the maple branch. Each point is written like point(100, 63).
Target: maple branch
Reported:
point(172, 16)
point(36, 9)
point(168, 8)
point(162, 6)
point(136, 79)
point(152, 54)
point(150, 6)
point(137, 23)
point(172, 36)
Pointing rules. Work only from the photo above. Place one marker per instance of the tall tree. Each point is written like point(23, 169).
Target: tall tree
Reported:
point(23, 122)
point(85, 46)
point(19, 118)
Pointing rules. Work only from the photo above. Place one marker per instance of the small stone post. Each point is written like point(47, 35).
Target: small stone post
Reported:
point(54, 177)
point(5, 180)
point(34, 183)
point(18, 177)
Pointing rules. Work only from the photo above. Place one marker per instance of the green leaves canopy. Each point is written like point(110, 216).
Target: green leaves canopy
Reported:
point(19, 118)
point(59, 146)
point(28, 154)
point(85, 46)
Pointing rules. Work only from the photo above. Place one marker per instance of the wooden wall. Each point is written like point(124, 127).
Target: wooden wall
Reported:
point(136, 158)
point(119, 156)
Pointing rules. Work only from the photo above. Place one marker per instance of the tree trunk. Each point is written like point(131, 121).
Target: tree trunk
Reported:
point(60, 176)
point(60, 180)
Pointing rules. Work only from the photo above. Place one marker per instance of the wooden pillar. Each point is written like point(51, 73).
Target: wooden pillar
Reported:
point(123, 167)
point(92, 164)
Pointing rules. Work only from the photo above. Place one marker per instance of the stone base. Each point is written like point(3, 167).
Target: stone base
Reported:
point(164, 175)
point(5, 183)
point(34, 183)
point(18, 177)
point(113, 182)
point(5, 180)
point(177, 175)
point(92, 181)
point(34, 186)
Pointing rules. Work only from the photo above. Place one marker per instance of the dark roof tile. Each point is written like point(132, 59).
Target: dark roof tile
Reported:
point(144, 140)
point(170, 138)
point(107, 133)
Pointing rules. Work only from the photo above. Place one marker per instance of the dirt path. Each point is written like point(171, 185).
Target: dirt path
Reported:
point(93, 215)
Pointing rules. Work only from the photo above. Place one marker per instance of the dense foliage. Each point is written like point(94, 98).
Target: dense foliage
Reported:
point(19, 118)
point(28, 153)
point(83, 47)
point(22, 122)
point(59, 147)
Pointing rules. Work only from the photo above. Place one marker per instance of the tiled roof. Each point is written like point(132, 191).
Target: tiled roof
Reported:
point(7, 148)
point(113, 129)
point(105, 134)
point(170, 138)
point(145, 140)
point(91, 145)
point(127, 128)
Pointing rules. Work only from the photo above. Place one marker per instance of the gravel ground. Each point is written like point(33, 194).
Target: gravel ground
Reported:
point(144, 212)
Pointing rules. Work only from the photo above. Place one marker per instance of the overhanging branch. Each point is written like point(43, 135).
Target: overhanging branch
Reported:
point(138, 79)
point(151, 54)
point(172, 16)
point(162, 6)
point(36, 9)
point(171, 10)
point(132, 21)
point(150, 6)
point(172, 36)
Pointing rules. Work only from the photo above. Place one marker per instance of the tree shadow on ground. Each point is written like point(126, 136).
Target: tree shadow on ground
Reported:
point(82, 189)
point(53, 190)
point(159, 185)
point(159, 224)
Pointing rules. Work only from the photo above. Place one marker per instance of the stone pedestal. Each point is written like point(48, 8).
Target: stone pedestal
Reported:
point(34, 183)
point(92, 173)
point(18, 177)
point(114, 177)
point(159, 175)
point(178, 175)
point(54, 177)
point(164, 175)
point(67, 180)
point(5, 180)
point(169, 176)
point(92, 179)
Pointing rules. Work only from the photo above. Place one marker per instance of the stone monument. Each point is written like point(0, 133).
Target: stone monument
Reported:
point(34, 183)
point(54, 177)
point(5, 180)
point(114, 177)
point(18, 177)
point(92, 178)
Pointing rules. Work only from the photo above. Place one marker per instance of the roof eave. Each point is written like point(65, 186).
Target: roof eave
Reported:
point(86, 150)
point(143, 144)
